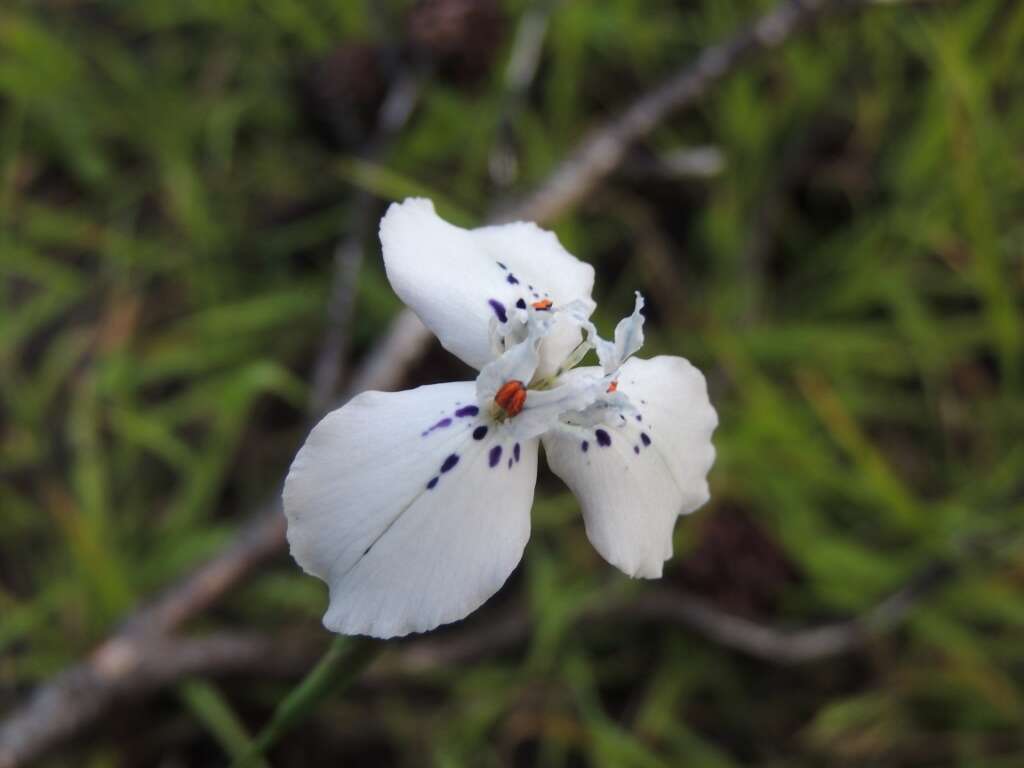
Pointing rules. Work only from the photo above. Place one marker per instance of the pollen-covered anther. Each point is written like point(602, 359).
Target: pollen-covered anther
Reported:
point(511, 397)
point(543, 304)
point(613, 386)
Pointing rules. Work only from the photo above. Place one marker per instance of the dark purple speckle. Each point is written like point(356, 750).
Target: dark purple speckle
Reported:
point(432, 483)
point(450, 462)
point(512, 280)
point(510, 462)
point(445, 422)
point(499, 310)
point(467, 410)
point(515, 452)
point(645, 439)
point(521, 304)
point(639, 417)
point(584, 446)
point(480, 432)
point(495, 456)
point(501, 265)
point(636, 449)
point(603, 438)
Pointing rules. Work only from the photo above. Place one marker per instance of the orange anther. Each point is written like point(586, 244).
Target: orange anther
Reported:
point(518, 401)
point(542, 304)
point(511, 397)
point(613, 386)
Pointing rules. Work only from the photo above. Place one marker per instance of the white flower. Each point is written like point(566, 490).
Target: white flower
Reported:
point(414, 506)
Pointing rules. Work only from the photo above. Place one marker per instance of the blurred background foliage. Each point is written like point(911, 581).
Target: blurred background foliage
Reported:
point(835, 236)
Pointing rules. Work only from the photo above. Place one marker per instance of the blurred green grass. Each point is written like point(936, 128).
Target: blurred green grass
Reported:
point(172, 182)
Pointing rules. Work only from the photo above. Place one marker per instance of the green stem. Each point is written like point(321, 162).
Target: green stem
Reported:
point(339, 667)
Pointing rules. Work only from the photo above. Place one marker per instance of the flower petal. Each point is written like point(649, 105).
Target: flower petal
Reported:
point(518, 363)
point(629, 338)
point(456, 279)
point(635, 479)
point(396, 501)
point(544, 408)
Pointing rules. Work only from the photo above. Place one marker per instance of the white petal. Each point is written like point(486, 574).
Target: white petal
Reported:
point(632, 487)
point(406, 536)
point(515, 364)
point(456, 280)
point(629, 337)
point(544, 408)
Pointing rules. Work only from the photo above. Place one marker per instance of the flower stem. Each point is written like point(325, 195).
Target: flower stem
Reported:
point(339, 667)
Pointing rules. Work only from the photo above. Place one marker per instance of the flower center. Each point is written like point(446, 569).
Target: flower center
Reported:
point(511, 397)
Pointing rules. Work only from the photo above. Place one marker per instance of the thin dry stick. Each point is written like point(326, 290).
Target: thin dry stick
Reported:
point(136, 657)
point(776, 645)
point(167, 659)
point(348, 255)
point(84, 692)
point(603, 151)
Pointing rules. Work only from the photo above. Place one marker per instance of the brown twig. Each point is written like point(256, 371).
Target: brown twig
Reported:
point(261, 539)
point(788, 647)
point(348, 255)
point(85, 691)
point(603, 151)
point(523, 63)
point(776, 645)
point(122, 668)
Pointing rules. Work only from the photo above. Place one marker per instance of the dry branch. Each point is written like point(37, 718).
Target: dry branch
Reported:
point(348, 255)
point(123, 668)
point(86, 691)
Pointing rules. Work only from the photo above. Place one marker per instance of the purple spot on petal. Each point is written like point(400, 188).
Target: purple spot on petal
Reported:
point(445, 422)
point(499, 310)
point(645, 439)
point(432, 483)
point(501, 265)
point(450, 462)
point(467, 410)
point(510, 462)
point(521, 304)
point(603, 438)
point(636, 449)
point(584, 446)
point(515, 452)
point(480, 432)
point(511, 279)
point(495, 456)
point(639, 417)
point(530, 287)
